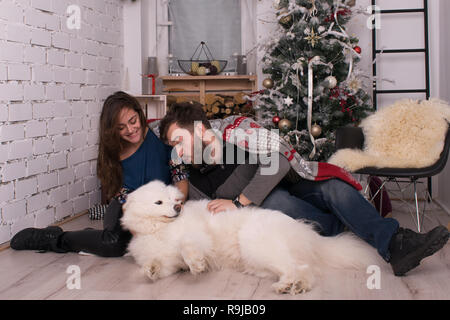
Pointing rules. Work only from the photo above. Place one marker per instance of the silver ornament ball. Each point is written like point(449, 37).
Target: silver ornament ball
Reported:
point(330, 82)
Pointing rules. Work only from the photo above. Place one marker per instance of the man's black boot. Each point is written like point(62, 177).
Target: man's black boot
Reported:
point(37, 239)
point(408, 248)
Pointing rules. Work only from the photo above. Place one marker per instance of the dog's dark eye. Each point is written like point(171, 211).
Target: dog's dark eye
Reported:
point(158, 202)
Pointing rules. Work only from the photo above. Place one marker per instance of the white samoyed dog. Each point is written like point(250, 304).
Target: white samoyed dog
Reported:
point(169, 237)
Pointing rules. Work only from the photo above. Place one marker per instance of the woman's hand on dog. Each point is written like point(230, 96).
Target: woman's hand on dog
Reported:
point(219, 205)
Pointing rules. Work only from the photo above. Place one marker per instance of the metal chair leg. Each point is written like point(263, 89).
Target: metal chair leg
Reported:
point(379, 190)
point(419, 227)
point(366, 195)
point(371, 197)
point(419, 216)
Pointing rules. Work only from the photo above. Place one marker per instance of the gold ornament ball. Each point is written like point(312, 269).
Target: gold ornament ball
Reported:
point(351, 3)
point(268, 83)
point(286, 19)
point(316, 130)
point(284, 125)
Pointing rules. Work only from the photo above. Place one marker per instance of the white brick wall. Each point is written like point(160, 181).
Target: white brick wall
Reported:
point(19, 72)
point(53, 82)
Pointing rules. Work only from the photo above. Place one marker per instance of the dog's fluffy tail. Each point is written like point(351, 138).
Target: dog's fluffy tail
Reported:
point(347, 251)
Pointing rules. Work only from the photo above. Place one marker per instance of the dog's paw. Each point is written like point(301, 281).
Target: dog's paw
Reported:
point(197, 266)
point(194, 259)
point(304, 280)
point(299, 281)
point(282, 287)
point(300, 286)
point(293, 287)
point(152, 271)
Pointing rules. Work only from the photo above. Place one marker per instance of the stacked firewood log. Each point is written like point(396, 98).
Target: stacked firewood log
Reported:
point(218, 106)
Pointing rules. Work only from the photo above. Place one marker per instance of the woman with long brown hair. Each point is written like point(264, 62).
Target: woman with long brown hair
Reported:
point(130, 155)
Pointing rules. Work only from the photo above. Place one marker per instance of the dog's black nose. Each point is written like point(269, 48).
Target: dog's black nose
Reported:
point(177, 208)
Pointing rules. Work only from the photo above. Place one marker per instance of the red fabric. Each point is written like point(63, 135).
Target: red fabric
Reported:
point(329, 171)
point(229, 128)
point(153, 76)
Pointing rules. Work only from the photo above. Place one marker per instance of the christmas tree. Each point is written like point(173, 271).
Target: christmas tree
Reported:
point(313, 86)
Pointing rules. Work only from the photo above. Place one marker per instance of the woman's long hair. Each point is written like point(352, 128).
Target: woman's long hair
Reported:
point(111, 145)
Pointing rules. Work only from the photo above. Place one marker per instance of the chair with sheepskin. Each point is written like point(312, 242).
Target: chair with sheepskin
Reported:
point(407, 140)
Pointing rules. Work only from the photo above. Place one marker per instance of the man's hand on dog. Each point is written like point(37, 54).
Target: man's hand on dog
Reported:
point(219, 205)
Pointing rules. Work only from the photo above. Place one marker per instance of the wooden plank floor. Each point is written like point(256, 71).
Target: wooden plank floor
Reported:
point(31, 275)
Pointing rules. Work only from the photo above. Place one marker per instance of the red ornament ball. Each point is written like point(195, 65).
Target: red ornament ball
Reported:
point(276, 119)
point(357, 49)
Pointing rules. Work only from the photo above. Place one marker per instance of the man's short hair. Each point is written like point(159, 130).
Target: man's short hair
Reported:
point(184, 115)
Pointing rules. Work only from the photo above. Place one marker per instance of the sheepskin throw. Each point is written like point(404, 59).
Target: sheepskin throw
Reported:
point(407, 134)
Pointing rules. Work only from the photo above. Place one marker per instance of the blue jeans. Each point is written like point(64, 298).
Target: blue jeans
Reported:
point(334, 205)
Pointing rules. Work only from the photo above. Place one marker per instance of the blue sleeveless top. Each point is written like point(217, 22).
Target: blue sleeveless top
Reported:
point(149, 162)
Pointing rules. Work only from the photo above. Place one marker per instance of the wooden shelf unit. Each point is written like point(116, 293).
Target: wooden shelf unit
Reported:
point(155, 106)
point(202, 85)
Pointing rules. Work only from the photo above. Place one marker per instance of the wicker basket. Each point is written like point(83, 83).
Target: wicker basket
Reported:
point(197, 67)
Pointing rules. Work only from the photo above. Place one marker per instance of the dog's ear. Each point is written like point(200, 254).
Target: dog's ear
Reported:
point(133, 206)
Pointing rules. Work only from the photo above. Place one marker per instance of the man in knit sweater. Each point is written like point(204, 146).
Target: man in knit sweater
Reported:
point(234, 174)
